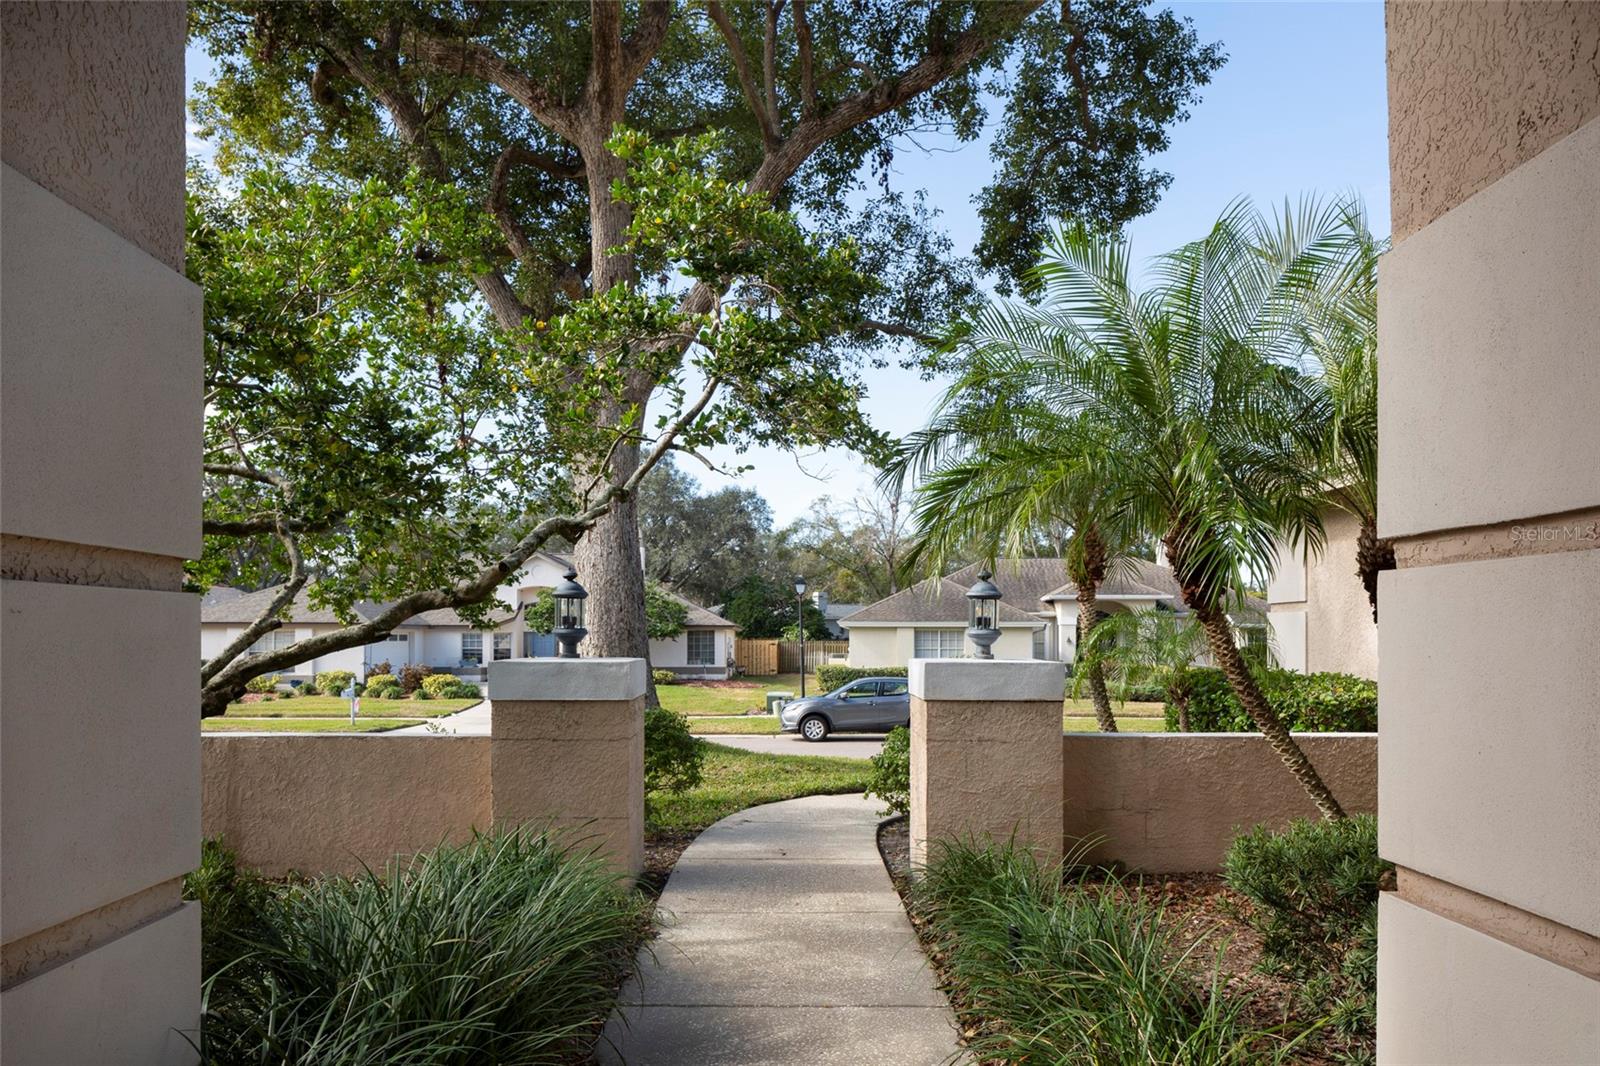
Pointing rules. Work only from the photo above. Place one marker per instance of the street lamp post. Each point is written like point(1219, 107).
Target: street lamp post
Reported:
point(983, 626)
point(800, 617)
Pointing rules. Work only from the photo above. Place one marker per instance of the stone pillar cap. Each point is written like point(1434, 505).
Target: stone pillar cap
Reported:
point(1001, 680)
point(567, 680)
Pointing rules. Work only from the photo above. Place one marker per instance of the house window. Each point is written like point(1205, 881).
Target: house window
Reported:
point(937, 644)
point(702, 647)
point(472, 648)
point(502, 646)
point(274, 641)
point(1039, 649)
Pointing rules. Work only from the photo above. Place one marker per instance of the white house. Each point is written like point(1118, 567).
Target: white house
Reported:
point(1038, 612)
point(442, 640)
point(1319, 612)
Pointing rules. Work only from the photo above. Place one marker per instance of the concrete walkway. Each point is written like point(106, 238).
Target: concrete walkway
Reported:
point(784, 945)
point(471, 722)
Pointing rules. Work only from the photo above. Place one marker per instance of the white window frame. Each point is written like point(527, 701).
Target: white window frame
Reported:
point(709, 656)
point(938, 643)
point(502, 644)
point(470, 654)
point(276, 640)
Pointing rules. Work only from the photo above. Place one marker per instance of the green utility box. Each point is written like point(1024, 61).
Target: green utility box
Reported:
point(776, 700)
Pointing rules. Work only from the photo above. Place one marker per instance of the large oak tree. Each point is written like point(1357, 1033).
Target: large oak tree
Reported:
point(515, 104)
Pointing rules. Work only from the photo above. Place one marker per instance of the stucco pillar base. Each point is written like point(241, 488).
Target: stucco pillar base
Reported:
point(567, 750)
point(986, 753)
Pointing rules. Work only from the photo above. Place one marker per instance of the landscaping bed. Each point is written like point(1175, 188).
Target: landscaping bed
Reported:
point(1225, 1007)
point(338, 706)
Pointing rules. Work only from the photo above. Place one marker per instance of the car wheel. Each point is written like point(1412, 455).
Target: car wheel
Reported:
point(814, 728)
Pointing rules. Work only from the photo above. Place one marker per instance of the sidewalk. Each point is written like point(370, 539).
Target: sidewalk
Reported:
point(784, 945)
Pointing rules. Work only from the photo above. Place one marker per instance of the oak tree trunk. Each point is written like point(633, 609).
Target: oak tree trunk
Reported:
point(1219, 635)
point(1088, 618)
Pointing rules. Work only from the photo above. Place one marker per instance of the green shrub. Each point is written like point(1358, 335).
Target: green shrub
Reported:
point(831, 677)
point(439, 686)
point(411, 675)
point(462, 690)
point(422, 694)
point(507, 949)
point(310, 689)
point(286, 694)
point(1313, 890)
point(891, 772)
point(664, 677)
point(1069, 975)
point(383, 687)
point(334, 682)
point(379, 680)
point(1311, 703)
point(231, 901)
point(263, 684)
point(672, 756)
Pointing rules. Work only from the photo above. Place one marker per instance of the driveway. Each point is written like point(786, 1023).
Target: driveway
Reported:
point(839, 746)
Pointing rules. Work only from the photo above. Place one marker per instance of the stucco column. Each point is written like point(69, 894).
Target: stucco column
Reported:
point(986, 752)
point(567, 749)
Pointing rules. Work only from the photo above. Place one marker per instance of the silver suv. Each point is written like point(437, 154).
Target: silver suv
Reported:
point(867, 705)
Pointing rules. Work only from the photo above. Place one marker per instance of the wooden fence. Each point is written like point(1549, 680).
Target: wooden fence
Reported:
point(756, 656)
point(765, 657)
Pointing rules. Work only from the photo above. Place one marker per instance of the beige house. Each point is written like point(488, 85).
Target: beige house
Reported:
point(1317, 609)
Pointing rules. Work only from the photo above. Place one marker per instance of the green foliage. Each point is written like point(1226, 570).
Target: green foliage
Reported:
point(440, 686)
point(672, 757)
point(286, 694)
point(734, 780)
point(891, 772)
point(1314, 894)
point(663, 677)
point(310, 689)
point(700, 544)
point(231, 902)
point(765, 607)
point(507, 949)
point(266, 683)
point(422, 694)
point(833, 676)
point(383, 687)
point(1323, 702)
point(334, 682)
point(665, 615)
point(1069, 975)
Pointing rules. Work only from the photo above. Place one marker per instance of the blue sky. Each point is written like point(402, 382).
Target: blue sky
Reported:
point(1299, 108)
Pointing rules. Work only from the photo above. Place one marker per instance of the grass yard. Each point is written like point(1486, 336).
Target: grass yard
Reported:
point(1126, 724)
point(231, 724)
point(339, 707)
point(737, 779)
point(1081, 708)
point(725, 724)
point(699, 698)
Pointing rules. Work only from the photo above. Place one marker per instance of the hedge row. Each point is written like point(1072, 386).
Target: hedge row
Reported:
point(831, 677)
point(1308, 703)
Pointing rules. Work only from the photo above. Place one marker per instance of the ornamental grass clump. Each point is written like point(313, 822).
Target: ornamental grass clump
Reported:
point(508, 949)
point(1053, 974)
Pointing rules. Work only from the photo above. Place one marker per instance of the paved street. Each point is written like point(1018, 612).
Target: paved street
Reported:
point(845, 745)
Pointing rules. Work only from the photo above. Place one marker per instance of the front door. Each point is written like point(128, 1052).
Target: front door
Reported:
point(857, 706)
point(538, 645)
point(893, 705)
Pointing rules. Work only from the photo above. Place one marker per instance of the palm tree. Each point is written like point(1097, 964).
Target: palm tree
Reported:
point(1197, 379)
point(1149, 649)
point(1339, 328)
point(993, 472)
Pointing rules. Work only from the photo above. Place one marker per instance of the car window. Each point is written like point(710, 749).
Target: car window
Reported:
point(861, 690)
point(891, 688)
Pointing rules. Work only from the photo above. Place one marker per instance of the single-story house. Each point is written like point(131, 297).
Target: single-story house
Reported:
point(442, 639)
point(1038, 612)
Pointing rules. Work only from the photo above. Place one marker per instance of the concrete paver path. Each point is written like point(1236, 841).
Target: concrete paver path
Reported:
point(784, 944)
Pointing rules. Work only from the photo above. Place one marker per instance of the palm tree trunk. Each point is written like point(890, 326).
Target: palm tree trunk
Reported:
point(1088, 618)
point(1374, 554)
point(1219, 635)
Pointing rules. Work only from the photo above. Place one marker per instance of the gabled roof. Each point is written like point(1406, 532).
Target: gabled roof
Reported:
point(248, 606)
point(699, 617)
point(934, 600)
point(1138, 578)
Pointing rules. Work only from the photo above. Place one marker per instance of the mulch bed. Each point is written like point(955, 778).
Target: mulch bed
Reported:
point(1196, 907)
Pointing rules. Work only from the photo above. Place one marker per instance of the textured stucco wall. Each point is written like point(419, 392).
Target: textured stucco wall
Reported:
point(1340, 632)
point(327, 804)
point(1476, 88)
point(1171, 802)
point(93, 112)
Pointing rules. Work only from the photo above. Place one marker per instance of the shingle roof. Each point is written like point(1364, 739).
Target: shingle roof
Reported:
point(1137, 577)
point(937, 599)
point(248, 607)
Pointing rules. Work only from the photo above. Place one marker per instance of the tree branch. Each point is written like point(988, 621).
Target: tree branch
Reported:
point(456, 55)
point(769, 60)
point(808, 72)
point(1079, 82)
point(268, 619)
point(741, 67)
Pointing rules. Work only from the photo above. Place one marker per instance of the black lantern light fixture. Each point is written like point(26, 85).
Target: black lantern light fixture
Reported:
point(569, 630)
point(800, 617)
point(983, 619)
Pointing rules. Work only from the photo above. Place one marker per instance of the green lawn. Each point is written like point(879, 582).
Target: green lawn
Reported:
point(737, 779)
point(1126, 724)
point(727, 724)
point(747, 694)
point(231, 724)
point(1131, 709)
point(338, 706)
